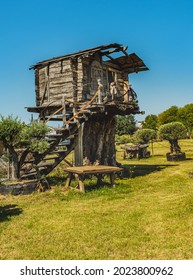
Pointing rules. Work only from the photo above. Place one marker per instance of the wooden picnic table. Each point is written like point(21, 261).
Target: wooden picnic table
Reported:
point(98, 170)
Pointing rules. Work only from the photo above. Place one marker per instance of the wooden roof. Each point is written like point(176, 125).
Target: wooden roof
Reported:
point(86, 52)
point(129, 62)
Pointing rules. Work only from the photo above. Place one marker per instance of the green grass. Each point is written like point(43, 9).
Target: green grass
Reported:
point(149, 215)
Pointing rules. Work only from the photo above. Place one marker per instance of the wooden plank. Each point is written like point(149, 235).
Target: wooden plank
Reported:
point(61, 88)
point(60, 75)
point(58, 96)
point(62, 80)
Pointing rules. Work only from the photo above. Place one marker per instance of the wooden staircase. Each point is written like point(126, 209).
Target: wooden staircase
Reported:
point(61, 143)
point(72, 114)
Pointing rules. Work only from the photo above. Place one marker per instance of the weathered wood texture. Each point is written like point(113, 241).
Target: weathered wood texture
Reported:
point(84, 87)
point(55, 81)
point(75, 79)
point(87, 169)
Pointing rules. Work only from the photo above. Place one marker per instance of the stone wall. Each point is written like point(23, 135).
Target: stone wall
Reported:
point(18, 188)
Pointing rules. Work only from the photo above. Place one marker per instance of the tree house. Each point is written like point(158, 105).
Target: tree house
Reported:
point(85, 91)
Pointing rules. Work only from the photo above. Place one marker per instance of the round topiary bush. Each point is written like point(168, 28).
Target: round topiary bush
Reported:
point(173, 132)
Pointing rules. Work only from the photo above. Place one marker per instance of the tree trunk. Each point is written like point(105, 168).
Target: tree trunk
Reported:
point(15, 167)
point(99, 141)
point(177, 148)
point(171, 146)
point(15, 162)
point(174, 146)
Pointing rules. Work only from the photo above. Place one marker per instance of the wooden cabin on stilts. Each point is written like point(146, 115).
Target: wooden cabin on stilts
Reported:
point(84, 91)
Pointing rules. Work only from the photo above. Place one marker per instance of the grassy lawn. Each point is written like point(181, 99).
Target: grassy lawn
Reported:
point(149, 215)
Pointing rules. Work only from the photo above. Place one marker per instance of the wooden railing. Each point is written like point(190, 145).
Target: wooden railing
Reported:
point(79, 112)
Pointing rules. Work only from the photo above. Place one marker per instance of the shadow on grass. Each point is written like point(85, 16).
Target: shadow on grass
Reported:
point(7, 211)
point(56, 180)
point(94, 186)
point(89, 180)
point(132, 170)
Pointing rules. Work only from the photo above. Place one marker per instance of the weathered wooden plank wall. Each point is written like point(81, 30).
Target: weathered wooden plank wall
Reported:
point(55, 81)
point(73, 79)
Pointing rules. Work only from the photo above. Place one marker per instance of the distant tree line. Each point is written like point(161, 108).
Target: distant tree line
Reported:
point(183, 115)
point(172, 124)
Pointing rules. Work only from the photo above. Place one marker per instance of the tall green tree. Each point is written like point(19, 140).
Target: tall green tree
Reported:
point(185, 115)
point(18, 139)
point(125, 125)
point(150, 122)
point(168, 116)
point(172, 132)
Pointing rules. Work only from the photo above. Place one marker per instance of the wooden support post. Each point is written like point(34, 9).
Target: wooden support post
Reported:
point(81, 183)
point(74, 110)
point(78, 151)
point(100, 97)
point(112, 179)
point(64, 110)
point(68, 181)
point(48, 82)
point(99, 180)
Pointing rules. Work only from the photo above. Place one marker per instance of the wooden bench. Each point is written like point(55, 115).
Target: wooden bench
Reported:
point(98, 170)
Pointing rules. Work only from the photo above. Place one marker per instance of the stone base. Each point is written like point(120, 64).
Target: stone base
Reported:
point(19, 188)
point(175, 157)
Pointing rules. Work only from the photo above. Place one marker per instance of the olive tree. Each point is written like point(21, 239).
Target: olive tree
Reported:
point(19, 139)
point(172, 132)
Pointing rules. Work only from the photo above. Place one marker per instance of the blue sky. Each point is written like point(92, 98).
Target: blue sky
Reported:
point(160, 32)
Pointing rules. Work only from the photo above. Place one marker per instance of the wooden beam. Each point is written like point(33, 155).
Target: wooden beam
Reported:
point(111, 51)
point(78, 151)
